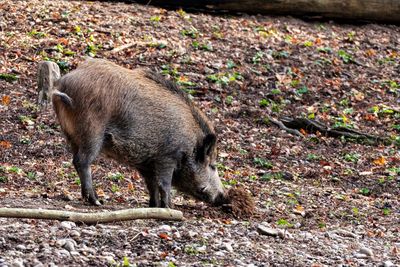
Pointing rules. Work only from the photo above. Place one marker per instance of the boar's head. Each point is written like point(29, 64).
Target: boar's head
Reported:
point(198, 174)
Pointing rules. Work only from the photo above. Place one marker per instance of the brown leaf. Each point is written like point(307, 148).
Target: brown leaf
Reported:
point(5, 144)
point(131, 187)
point(303, 132)
point(5, 100)
point(370, 117)
point(63, 41)
point(164, 236)
point(100, 192)
point(380, 161)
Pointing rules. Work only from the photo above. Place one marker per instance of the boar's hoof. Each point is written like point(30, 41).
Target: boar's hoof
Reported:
point(92, 199)
point(97, 203)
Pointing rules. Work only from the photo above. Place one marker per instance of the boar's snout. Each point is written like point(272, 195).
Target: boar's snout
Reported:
point(220, 200)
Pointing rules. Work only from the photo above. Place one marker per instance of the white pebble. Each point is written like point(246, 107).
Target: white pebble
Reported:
point(366, 251)
point(165, 228)
point(228, 247)
point(388, 264)
point(17, 263)
point(68, 225)
point(202, 249)
point(361, 256)
point(261, 229)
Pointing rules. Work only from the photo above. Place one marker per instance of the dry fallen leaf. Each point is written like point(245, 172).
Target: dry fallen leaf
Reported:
point(131, 187)
point(370, 117)
point(303, 132)
point(5, 100)
point(5, 144)
point(163, 236)
point(380, 161)
point(299, 208)
point(370, 52)
point(100, 193)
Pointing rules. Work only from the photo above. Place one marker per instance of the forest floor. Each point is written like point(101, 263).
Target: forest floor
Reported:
point(321, 201)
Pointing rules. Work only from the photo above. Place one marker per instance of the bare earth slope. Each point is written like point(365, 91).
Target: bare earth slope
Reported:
point(324, 201)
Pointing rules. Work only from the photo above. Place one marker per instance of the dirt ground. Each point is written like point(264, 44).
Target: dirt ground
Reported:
point(321, 201)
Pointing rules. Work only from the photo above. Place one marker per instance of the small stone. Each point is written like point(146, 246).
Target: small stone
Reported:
point(366, 251)
point(74, 234)
point(361, 256)
point(202, 249)
point(208, 70)
point(238, 262)
point(67, 225)
point(37, 263)
point(69, 245)
point(75, 254)
point(305, 236)
point(88, 232)
point(299, 212)
point(284, 234)
point(165, 228)
point(62, 253)
point(297, 225)
point(17, 263)
point(219, 254)
point(20, 247)
point(228, 247)
point(388, 264)
point(176, 235)
point(61, 242)
point(192, 234)
point(263, 230)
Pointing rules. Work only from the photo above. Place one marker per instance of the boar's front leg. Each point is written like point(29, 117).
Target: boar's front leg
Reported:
point(152, 187)
point(158, 180)
point(82, 159)
point(164, 174)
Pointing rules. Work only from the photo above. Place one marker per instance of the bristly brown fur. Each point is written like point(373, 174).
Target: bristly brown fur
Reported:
point(167, 84)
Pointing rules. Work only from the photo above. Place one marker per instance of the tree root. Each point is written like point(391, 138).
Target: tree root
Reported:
point(293, 125)
point(281, 125)
point(93, 218)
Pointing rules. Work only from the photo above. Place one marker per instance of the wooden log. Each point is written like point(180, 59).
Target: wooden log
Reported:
point(95, 217)
point(375, 10)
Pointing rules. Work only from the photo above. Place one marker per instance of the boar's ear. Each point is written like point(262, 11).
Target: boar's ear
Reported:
point(204, 149)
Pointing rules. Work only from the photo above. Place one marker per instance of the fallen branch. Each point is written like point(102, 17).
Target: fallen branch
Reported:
point(139, 44)
point(123, 47)
point(293, 125)
point(93, 218)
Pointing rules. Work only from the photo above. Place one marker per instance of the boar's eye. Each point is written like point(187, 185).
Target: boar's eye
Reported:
point(212, 166)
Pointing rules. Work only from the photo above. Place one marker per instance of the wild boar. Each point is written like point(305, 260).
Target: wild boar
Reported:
point(139, 118)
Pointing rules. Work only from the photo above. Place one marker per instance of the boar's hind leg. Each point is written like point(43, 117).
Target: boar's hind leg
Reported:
point(83, 158)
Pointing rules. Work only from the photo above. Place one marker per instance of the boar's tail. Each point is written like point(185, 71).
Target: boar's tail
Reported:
point(48, 75)
point(64, 98)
